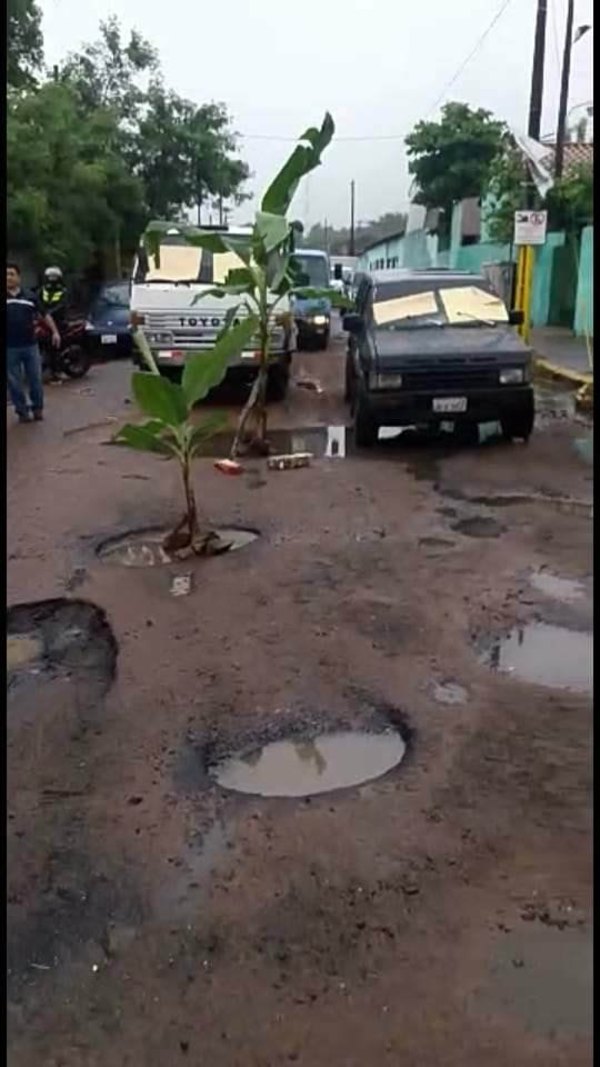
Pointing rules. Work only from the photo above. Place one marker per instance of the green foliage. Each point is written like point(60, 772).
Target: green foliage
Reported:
point(450, 160)
point(24, 42)
point(94, 154)
point(569, 203)
point(69, 189)
point(269, 274)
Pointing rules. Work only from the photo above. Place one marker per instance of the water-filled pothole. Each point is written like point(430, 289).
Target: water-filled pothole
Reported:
point(22, 650)
point(546, 655)
point(296, 768)
point(566, 590)
point(143, 548)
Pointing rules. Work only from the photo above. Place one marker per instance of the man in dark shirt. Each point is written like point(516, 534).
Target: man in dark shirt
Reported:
point(23, 363)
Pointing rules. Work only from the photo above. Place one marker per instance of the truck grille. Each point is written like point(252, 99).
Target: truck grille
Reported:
point(450, 378)
point(165, 329)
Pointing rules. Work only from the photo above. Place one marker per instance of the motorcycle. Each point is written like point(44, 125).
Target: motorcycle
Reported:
point(72, 358)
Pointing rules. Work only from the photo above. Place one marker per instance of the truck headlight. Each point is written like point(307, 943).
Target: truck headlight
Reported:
point(387, 381)
point(319, 320)
point(512, 376)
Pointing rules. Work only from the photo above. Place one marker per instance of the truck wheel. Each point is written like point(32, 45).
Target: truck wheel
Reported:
point(466, 433)
point(279, 379)
point(366, 430)
point(518, 425)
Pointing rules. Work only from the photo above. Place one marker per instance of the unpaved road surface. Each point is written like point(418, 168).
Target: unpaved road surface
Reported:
point(439, 915)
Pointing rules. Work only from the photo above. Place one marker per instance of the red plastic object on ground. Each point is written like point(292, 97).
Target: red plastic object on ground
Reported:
point(229, 466)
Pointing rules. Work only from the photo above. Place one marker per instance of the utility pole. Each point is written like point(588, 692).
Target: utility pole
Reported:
point(525, 261)
point(564, 95)
point(537, 73)
point(352, 197)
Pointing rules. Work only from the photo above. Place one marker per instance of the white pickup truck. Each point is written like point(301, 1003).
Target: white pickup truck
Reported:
point(162, 303)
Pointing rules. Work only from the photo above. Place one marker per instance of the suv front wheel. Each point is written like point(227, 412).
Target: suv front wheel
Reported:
point(366, 429)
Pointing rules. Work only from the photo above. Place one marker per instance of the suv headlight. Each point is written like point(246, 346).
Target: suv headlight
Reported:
point(512, 376)
point(319, 320)
point(386, 381)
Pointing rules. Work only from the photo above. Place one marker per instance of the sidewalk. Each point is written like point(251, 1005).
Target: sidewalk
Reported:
point(559, 350)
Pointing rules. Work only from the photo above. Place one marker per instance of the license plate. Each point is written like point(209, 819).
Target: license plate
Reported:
point(171, 357)
point(450, 405)
point(108, 339)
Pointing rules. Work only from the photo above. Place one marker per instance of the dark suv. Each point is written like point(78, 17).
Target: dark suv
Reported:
point(435, 346)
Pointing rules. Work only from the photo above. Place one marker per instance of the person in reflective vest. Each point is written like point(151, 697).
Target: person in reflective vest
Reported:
point(53, 298)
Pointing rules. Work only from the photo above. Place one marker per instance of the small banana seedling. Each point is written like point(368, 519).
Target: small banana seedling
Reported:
point(171, 432)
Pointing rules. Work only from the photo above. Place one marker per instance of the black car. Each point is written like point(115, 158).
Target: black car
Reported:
point(108, 328)
point(427, 347)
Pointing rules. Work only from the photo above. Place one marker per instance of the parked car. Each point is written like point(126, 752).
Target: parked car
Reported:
point(108, 327)
point(428, 347)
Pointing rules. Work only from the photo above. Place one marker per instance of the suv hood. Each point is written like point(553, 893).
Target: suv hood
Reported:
point(423, 345)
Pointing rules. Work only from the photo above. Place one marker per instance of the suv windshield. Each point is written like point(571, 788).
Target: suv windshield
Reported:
point(444, 305)
point(316, 270)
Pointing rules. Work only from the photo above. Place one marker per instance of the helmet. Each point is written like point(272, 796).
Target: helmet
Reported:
point(53, 274)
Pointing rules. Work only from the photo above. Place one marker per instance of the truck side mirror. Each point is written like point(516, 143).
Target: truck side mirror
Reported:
point(337, 272)
point(516, 317)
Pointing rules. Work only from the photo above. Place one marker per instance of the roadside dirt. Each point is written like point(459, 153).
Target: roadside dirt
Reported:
point(440, 915)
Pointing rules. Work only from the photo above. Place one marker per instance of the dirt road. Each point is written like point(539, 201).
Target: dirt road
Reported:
point(438, 915)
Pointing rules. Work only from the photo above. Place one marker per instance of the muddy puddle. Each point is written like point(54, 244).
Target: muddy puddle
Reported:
point(478, 526)
point(143, 548)
point(566, 590)
point(297, 768)
point(22, 650)
point(545, 655)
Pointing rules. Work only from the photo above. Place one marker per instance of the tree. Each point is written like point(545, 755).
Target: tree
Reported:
point(170, 430)
point(107, 73)
point(450, 160)
point(569, 203)
point(185, 154)
point(24, 42)
point(268, 273)
point(69, 189)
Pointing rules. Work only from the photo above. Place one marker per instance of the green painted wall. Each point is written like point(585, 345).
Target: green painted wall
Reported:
point(584, 305)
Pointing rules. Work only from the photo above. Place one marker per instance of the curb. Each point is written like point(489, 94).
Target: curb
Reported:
point(546, 369)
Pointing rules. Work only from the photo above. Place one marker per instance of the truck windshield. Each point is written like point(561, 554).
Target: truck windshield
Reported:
point(467, 305)
point(182, 264)
point(316, 270)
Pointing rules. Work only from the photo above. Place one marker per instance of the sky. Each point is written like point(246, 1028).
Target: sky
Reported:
point(377, 65)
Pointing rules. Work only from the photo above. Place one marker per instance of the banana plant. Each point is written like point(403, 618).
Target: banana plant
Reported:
point(268, 274)
point(171, 432)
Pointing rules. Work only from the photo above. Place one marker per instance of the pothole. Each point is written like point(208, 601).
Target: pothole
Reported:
point(545, 655)
point(551, 585)
point(143, 548)
point(478, 526)
point(71, 636)
point(301, 768)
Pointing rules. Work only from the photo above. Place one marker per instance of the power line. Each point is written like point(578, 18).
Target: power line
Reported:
point(396, 136)
point(473, 52)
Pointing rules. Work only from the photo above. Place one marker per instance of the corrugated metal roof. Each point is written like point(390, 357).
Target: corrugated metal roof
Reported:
point(575, 154)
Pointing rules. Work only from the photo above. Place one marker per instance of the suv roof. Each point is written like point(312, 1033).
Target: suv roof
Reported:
point(403, 274)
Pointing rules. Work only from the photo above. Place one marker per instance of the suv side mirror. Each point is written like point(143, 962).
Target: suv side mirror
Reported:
point(352, 323)
point(516, 317)
point(337, 272)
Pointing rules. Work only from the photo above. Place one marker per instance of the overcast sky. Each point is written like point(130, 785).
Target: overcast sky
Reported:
point(378, 65)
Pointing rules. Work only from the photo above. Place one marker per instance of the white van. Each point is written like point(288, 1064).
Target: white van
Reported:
point(162, 303)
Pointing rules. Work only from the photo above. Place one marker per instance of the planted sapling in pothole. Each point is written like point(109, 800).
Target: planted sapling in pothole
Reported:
point(261, 287)
point(172, 432)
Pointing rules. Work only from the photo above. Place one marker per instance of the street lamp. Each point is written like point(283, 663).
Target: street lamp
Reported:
point(570, 39)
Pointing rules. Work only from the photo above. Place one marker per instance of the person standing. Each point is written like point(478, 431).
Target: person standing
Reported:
point(53, 298)
point(23, 363)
